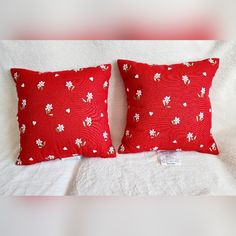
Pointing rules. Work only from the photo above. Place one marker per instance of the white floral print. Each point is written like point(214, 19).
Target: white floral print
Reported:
point(76, 70)
point(200, 116)
point(178, 150)
point(202, 92)
point(16, 76)
point(211, 61)
point(60, 128)
point(104, 67)
point(111, 150)
point(138, 94)
point(70, 85)
point(125, 67)
point(153, 133)
point(188, 64)
point(40, 85)
point(128, 134)
point(40, 143)
point(23, 104)
point(105, 84)
point(122, 148)
point(87, 121)
point(166, 100)
point(157, 77)
point(190, 137)
point(136, 117)
point(22, 128)
point(154, 148)
point(176, 121)
point(50, 157)
point(48, 109)
point(185, 79)
point(89, 97)
point(79, 142)
point(212, 147)
point(105, 135)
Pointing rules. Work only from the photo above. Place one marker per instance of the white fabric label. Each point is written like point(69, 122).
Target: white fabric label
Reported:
point(169, 158)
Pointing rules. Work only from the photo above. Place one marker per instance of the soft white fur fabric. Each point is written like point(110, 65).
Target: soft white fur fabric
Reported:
point(139, 174)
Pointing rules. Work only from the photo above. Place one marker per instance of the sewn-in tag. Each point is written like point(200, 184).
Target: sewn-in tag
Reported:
point(169, 158)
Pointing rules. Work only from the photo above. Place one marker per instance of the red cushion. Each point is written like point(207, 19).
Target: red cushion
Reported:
point(168, 106)
point(63, 114)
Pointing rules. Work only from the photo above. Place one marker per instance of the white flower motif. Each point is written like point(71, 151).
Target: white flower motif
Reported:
point(22, 128)
point(176, 121)
point(103, 67)
point(89, 97)
point(153, 133)
point(200, 116)
point(50, 157)
point(87, 121)
point(60, 128)
point(16, 76)
point(136, 117)
point(157, 77)
point(185, 79)
point(78, 142)
point(122, 148)
point(70, 85)
point(40, 143)
point(40, 85)
point(48, 108)
point(154, 148)
point(105, 135)
point(213, 147)
point(111, 150)
point(188, 64)
point(23, 104)
point(138, 94)
point(166, 100)
point(128, 134)
point(125, 67)
point(190, 137)
point(211, 61)
point(202, 92)
point(105, 84)
point(77, 70)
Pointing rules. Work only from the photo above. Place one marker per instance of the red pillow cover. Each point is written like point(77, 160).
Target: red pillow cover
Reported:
point(63, 114)
point(168, 106)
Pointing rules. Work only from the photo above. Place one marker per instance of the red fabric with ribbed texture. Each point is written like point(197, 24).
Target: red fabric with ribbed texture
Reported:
point(63, 114)
point(168, 106)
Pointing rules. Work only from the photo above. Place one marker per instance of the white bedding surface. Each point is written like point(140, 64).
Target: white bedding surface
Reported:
point(134, 174)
